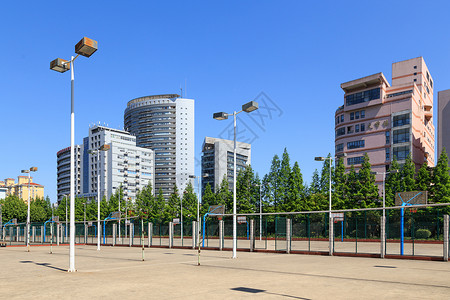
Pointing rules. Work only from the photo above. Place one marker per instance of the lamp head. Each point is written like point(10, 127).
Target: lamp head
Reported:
point(250, 106)
point(86, 47)
point(220, 116)
point(60, 65)
point(319, 158)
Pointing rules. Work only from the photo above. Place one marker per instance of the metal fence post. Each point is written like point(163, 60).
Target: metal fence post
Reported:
point(382, 236)
point(193, 234)
point(446, 224)
point(42, 234)
point(221, 235)
point(57, 234)
point(331, 235)
point(288, 236)
point(170, 234)
point(252, 235)
point(131, 233)
point(17, 233)
point(114, 235)
point(150, 234)
point(33, 234)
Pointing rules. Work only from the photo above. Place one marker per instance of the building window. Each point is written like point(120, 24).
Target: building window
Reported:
point(363, 114)
point(357, 128)
point(415, 67)
point(339, 147)
point(415, 79)
point(355, 160)
point(401, 153)
point(342, 118)
point(401, 120)
point(352, 116)
point(337, 121)
point(388, 137)
point(357, 115)
point(362, 96)
point(355, 144)
point(340, 131)
point(388, 154)
point(400, 136)
point(363, 127)
point(415, 73)
point(349, 129)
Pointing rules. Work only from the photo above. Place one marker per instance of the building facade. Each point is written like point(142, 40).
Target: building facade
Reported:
point(124, 164)
point(218, 161)
point(165, 124)
point(387, 121)
point(443, 139)
point(24, 188)
point(63, 171)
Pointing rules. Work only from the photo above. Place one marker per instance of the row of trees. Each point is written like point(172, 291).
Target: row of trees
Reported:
point(282, 189)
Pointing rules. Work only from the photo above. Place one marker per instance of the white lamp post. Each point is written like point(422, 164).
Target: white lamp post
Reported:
point(32, 169)
point(85, 47)
point(247, 107)
point(198, 199)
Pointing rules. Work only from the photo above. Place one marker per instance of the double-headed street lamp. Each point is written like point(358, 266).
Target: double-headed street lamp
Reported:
point(247, 107)
point(32, 169)
point(85, 47)
point(97, 152)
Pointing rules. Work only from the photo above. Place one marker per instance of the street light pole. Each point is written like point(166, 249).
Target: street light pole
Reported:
point(248, 107)
point(260, 213)
point(98, 200)
point(85, 47)
point(32, 169)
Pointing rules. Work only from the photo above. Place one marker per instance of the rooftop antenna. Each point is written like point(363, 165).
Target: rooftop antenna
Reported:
point(181, 89)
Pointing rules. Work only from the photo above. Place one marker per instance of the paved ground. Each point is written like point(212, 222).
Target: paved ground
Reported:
point(173, 273)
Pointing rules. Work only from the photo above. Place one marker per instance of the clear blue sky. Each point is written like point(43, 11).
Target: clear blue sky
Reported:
point(297, 52)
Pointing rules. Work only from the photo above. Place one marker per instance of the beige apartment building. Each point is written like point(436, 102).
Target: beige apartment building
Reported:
point(23, 188)
point(387, 120)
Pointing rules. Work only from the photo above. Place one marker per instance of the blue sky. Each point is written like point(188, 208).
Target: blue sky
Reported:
point(225, 52)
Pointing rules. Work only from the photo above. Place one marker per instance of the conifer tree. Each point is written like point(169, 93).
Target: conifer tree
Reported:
point(408, 183)
point(325, 175)
point(173, 206)
point(283, 179)
point(296, 192)
point(423, 179)
point(189, 203)
point(224, 196)
point(208, 199)
point(441, 180)
point(274, 183)
point(393, 182)
point(339, 182)
point(368, 191)
point(351, 189)
point(245, 202)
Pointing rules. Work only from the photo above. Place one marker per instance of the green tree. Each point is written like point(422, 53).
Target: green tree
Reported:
point(423, 179)
point(144, 200)
point(441, 180)
point(208, 199)
point(224, 196)
point(38, 211)
point(408, 182)
point(272, 182)
point(14, 207)
point(339, 182)
point(189, 203)
point(351, 189)
point(245, 191)
point(325, 175)
point(284, 174)
point(157, 207)
point(393, 182)
point(173, 206)
point(296, 191)
point(368, 192)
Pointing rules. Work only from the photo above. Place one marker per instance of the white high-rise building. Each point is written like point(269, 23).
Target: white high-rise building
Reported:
point(123, 164)
point(63, 171)
point(165, 124)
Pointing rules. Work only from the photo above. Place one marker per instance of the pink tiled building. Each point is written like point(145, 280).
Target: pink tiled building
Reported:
point(386, 120)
